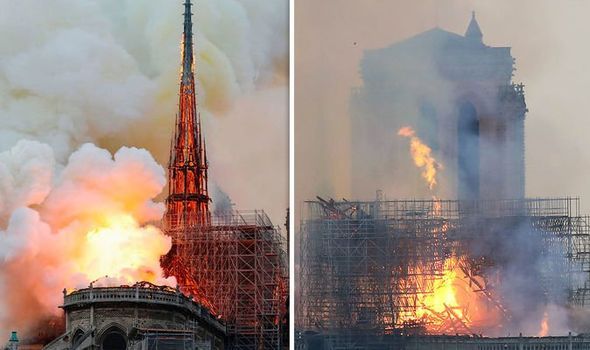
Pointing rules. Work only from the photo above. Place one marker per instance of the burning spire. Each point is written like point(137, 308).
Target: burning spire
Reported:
point(188, 198)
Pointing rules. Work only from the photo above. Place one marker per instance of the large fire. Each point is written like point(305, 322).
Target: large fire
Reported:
point(455, 301)
point(450, 297)
point(67, 226)
point(123, 250)
point(452, 304)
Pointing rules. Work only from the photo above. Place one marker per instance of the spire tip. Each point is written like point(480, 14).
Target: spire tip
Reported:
point(187, 37)
point(473, 32)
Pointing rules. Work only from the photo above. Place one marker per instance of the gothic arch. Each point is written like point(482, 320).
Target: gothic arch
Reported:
point(113, 337)
point(468, 151)
point(77, 337)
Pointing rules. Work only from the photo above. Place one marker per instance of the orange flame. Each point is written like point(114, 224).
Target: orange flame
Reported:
point(452, 300)
point(436, 206)
point(544, 331)
point(422, 156)
point(123, 250)
point(91, 222)
point(452, 305)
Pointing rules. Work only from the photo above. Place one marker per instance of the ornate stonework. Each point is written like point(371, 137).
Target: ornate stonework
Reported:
point(458, 94)
point(136, 317)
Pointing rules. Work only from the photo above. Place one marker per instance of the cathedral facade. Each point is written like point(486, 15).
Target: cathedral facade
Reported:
point(459, 96)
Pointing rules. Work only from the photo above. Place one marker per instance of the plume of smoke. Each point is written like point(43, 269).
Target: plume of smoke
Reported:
point(222, 204)
point(93, 71)
point(75, 224)
point(529, 277)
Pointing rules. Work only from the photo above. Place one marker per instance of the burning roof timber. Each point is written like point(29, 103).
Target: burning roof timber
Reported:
point(443, 266)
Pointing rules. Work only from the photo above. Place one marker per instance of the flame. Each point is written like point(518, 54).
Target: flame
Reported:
point(452, 305)
point(544, 331)
point(89, 219)
point(436, 207)
point(123, 250)
point(444, 293)
point(422, 156)
point(452, 300)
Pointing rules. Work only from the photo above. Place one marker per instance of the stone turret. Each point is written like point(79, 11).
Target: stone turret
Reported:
point(473, 32)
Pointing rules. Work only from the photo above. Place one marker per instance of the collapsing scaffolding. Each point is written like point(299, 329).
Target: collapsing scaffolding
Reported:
point(368, 267)
point(237, 267)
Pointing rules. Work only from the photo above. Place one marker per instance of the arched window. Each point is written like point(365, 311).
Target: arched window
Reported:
point(113, 339)
point(428, 125)
point(468, 152)
point(77, 338)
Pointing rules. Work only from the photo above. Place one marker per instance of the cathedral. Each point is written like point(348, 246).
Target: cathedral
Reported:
point(459, 96)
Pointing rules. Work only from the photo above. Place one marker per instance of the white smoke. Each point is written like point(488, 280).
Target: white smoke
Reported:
point(75, 223)
point(93, 71)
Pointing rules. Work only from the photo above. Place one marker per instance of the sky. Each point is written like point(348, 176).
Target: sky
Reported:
point(549, 43)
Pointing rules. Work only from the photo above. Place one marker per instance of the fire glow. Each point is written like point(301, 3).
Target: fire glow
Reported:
point(452, 306)
point(123, 250)
point(456, 302)
point(74, 224)
point(422, 156)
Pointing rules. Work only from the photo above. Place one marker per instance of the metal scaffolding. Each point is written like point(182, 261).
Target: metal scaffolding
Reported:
point(364, 265)
point(237, 267)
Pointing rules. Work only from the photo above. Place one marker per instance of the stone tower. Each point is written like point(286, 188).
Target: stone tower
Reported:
point(458, 94)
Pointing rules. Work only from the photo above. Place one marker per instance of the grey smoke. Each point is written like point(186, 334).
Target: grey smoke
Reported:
point(222, 204)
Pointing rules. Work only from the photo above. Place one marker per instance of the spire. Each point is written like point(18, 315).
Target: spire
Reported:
point(188, 197)
point(473, 32)
point(187, 39)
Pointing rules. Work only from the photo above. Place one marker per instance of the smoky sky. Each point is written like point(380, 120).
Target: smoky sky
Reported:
point(106, 72)
point(548, 41)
